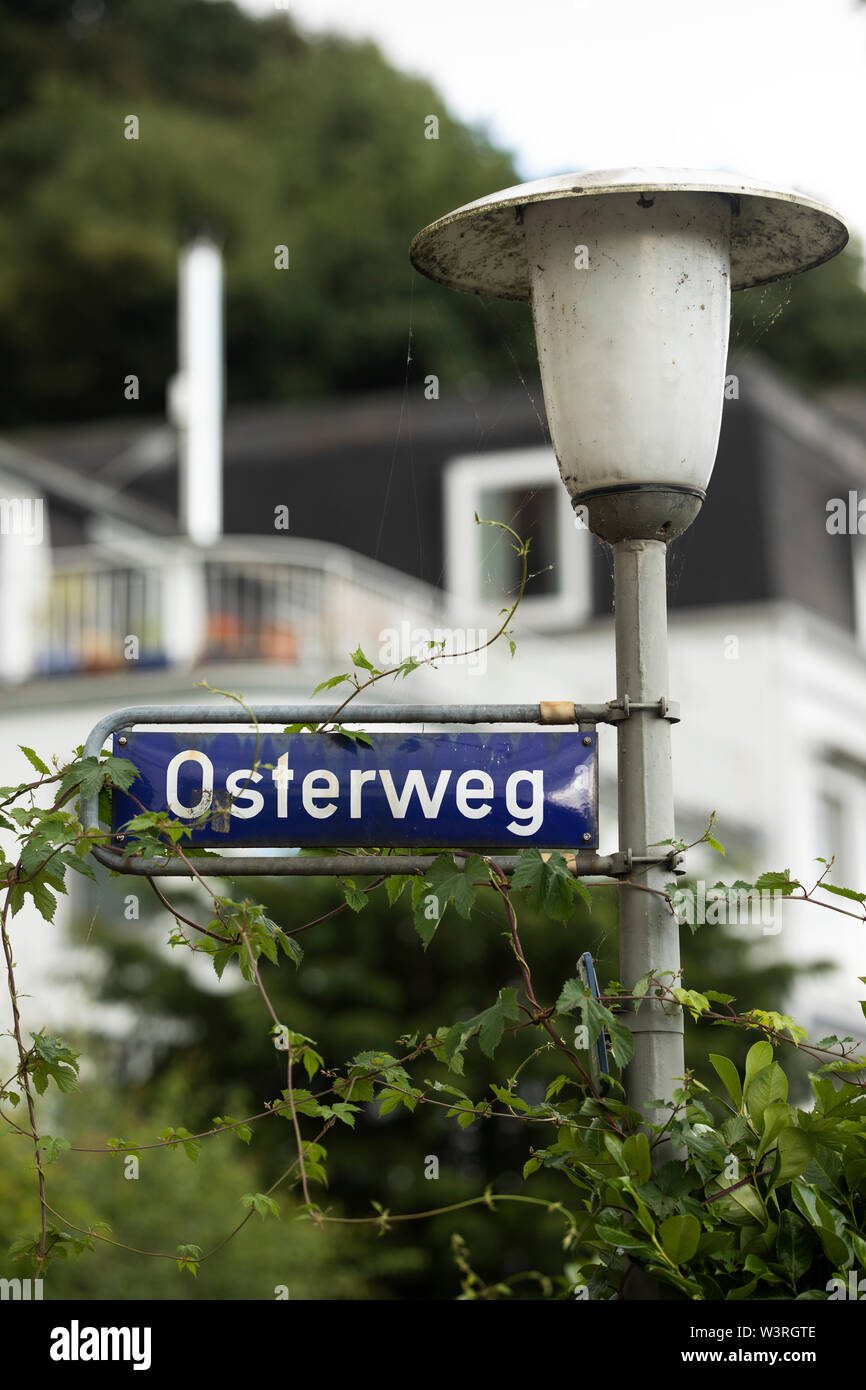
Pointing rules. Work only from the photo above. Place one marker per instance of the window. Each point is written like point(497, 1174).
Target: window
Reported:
point(522, 488)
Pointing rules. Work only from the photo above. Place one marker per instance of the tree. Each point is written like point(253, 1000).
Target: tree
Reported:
point(132, 132)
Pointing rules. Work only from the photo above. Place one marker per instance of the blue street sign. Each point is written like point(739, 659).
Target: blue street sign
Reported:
point(417, 791)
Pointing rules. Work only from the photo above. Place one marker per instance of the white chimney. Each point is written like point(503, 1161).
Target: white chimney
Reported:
point(196, 394)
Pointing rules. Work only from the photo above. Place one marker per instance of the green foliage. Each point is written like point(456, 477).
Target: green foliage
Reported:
point(51, 1060)
point(550, 887)
point(489, 1025)
point(690, 1223)
point(260, 1202)
point(741, 1192)
point(812, 326)
point(172, 1201)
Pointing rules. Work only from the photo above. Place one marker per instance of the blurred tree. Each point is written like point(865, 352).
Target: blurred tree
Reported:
point(171, 1201)
point(260, 137)
point(813, 326)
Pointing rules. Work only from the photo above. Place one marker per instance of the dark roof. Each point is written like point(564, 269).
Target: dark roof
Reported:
point(366, 473)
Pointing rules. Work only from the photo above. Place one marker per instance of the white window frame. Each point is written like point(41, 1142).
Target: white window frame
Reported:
point(466, 476)
point(858, 574)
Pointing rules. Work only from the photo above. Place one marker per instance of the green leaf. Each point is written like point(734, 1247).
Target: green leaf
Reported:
point(118, 772)
point(331, 682)
point(774, 1121)
point(292, 948)
point(692, 1000)
point(494, 1019)
point(741, 1205)
point(51, 1149)
point(616, 1235)
point(52, 1061)
point(188, 1257)
point(356, 735)
point(805, 1199)
point(550, 886)
point(359, 659)
point(394, 886)
point(621, 1043)
point(489, 1025)
point(844, 892)
point(451, 884)
point(758, 1056)
point(571, 996)
point(796, 1149)
point(190, 1146)
point(729, 1077)
point(794, 1246)
point(636, 1153)
point(43, 899)
point(243, 1132)
point(779, 882)
point(680, 1235)
point(35, 761)
point(355, 897)
point(342, 1110)
point(444, 883)
point(260, 1202)
point(766, 1086)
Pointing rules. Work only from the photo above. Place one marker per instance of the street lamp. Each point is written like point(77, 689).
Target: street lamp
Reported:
point(629, 273)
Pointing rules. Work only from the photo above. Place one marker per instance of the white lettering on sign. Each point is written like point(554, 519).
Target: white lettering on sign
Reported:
point(414, 783)
point(527, 818)
point(466, 794)
point(357, 779)
point(238, 790)
point(282, 775)
point(311, 793)
point(320, 791)
point(171, 772)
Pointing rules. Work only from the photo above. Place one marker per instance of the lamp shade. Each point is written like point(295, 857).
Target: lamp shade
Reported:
point(631, 302)
point(630, 273)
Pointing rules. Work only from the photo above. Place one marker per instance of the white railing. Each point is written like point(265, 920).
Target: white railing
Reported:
point(261, 599)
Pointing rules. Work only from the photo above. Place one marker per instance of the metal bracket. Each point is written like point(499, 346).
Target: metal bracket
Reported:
point(623, 707)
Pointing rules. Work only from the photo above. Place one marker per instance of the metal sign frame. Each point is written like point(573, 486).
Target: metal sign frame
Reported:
point(598, 1063)
point(583, 863)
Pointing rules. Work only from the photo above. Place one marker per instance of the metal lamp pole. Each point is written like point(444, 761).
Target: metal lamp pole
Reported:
point(629, 273)
point(648, 933)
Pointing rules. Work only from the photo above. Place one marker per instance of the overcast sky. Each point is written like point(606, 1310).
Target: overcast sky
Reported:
point(774, 88)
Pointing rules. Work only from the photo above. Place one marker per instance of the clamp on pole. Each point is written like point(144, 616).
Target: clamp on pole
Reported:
point(625, 861)
point(623, 707)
